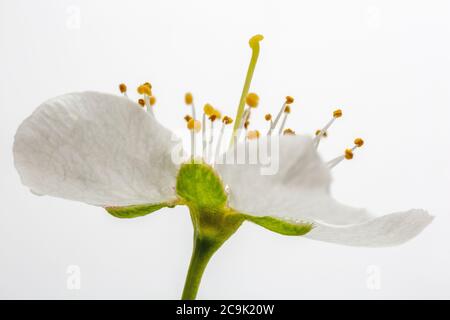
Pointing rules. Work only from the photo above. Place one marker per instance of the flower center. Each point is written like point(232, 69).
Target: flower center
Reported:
point(212, 119)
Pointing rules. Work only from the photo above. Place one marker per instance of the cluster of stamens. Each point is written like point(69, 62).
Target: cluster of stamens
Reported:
point(249, 101)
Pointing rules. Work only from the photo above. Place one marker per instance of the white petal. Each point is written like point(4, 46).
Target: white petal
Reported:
point(299, 189)
point(96, 148)
point(389, 230)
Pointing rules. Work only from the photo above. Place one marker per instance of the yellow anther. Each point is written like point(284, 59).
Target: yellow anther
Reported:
point(287, 109)
point(145, 89)
point(254, 134)
point(337, 113)
point(152, 100)
point(141, 102)
point(194, 125)
point(252, 100)
point(212, 117)
point(188, 98)
point(289, 99)
point(359, 142)
point(187, 118)
point(123, 88)
point(268, 117)
point(227, 120)
point(246, 124)
point(319, 132)
point(348, 154)
point(217, 113)
point(208, 109)
point(289, 132)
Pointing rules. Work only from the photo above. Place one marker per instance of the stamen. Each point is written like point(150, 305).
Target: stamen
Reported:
point(152, 100)
point(268, 117)
point(253, 134)
point(252, 100)
point(289, 132)
point(288, 100)
point(123, 89)
point(322, 132)
point(348, 153)
point(212, 118)
point(141, 102)
point(254, 45)
point(194, 127)
point(287, 110)
point(189, 100)
point(225, 121)
point(187, 118)
point(207, 111)
point(145, 89)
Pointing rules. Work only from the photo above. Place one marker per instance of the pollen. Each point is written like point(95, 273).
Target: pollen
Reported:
point(268, 117)
point(152, 100)
point(187, 118)
point(208, 109)
point(212, 117)
point(287, 109)
point(254, 134)
point(123, 88)
point(348, 154)
point(288, 132)
point(337, 113)
point(145, 88)
point(289, 100)
point(141, 102)
point(358, 142)
point(188, 98)
point(252, 100)
point(227, 120)
point(194, 125)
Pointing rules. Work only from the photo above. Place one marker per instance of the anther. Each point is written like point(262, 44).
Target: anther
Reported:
point(252, 100)
point(254, 134)
point(289, 132)
point(358, 142)
point(348, 154)
point(188, 98)
point(268, 117)
point(289, 100)
point(227, 120)
point(337, 113)
point(145, 89)
point(123, 88)
point(141, 102)
point(187, 118)
point(208, 109)
point(152, 100)
point(194, 125)
point(319, 132)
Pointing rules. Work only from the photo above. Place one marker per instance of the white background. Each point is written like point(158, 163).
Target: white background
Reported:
point(385, 63)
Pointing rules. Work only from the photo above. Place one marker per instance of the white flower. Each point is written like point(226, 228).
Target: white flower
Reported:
point(107, 151)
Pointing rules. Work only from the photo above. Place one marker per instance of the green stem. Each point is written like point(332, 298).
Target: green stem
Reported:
point(212, 227)
point(201, 254)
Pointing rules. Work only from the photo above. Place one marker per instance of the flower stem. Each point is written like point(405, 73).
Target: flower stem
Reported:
point(212, 227)
point(201, 254)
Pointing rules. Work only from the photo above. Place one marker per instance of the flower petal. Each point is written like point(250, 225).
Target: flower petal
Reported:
point(389, 230)
point(96, 148)
point(297, 186)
